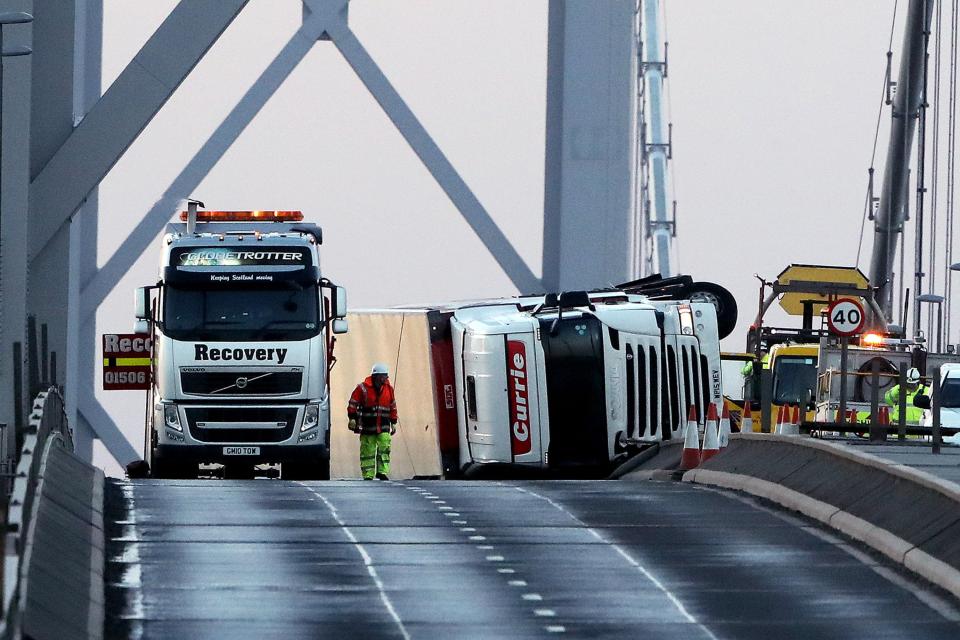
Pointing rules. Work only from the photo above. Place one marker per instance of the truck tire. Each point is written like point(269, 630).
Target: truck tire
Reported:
point(722, 299)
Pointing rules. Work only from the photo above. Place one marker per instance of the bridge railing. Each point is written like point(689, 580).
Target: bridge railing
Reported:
point(46, 430)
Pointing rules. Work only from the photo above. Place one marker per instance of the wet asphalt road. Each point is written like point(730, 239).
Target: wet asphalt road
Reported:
point(348, 559)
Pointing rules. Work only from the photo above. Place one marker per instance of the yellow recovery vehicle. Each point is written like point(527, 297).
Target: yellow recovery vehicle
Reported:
point(790, 356)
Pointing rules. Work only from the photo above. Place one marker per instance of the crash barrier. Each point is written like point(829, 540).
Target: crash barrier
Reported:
point(53, 561)
point(906, 514)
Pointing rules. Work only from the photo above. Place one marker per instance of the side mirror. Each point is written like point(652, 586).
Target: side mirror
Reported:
point(340, 303)
point(141, 327)
point(141, 303)
point(921, 401)
point(340, 325)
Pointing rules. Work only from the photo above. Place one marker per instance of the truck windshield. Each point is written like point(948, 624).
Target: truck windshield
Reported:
point(951, 394)
point(794, 379)
point(241, 314)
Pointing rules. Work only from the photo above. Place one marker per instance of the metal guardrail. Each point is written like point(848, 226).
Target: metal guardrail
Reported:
point(47, 428)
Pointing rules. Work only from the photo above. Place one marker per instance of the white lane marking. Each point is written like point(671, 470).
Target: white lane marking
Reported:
point(532, 597)
point(467, 529)
point(132, 579)
point(942, 606)
point(517, 583)
point(505, 570)
point(495, 558)
point(485, 547)
point(445, 508)
point(630, 560)
point(544, 613)
point(384, 598)
point(555, 628)
point(452, 514)
point(459, 522)
point(478, 538)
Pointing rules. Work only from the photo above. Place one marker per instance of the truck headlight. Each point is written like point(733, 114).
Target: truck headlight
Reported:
point(171, 417)
point(311, 417)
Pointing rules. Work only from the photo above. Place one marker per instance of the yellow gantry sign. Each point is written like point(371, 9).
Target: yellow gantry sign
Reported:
point(792, 302)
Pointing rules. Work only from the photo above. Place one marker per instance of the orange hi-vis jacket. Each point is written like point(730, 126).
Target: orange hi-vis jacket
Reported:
point(374, 413)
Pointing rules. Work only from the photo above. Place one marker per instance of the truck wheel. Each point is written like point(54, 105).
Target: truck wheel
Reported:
point(722, 299)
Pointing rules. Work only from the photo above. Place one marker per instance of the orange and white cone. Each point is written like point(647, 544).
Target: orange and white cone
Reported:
point(746, 420)
point(780, 417)
point(690, 459)
point(791, 424)
point(724, 428)
point(711, 435)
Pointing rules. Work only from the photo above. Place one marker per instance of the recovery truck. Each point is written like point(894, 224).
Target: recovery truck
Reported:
point(242, 324)
point(567, 383)
point(804, 363)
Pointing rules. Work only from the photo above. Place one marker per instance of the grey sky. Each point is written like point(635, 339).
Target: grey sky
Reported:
point(773, 103)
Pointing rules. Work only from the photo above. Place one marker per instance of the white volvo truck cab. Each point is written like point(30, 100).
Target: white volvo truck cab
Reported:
point(576, 381)
point(242, 324)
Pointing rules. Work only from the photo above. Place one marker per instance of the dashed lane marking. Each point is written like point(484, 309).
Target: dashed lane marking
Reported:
point(384, 598)
point(630, 560)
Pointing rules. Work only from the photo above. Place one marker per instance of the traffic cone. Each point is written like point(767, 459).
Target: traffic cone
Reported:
point(690, 459)
point(791, 425)
point(884, 417)
point(724, 427)
point(746, 420)
point(780, 414)
point(711, 435)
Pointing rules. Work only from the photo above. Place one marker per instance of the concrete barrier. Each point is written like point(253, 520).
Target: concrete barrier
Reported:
point(908, 515)
point(54, 562)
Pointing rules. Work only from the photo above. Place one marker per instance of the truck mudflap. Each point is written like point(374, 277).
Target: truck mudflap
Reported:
point(576, 391)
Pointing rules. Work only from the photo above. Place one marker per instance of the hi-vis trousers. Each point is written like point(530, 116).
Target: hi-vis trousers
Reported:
point(374, 454)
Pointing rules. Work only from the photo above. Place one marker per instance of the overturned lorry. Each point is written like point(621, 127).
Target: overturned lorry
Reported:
point(549, 383)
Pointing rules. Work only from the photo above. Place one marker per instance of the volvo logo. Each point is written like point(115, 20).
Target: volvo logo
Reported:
point(241, 383)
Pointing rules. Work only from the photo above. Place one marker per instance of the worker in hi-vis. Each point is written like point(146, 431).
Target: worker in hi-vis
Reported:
point(914, 388)
point(372, 411)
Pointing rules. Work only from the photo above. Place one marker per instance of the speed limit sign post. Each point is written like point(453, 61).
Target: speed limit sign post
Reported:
point(845, 318)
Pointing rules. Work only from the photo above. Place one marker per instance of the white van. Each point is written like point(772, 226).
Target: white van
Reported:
point(949, 401)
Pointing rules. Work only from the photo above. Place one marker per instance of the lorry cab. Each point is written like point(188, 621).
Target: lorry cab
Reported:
point(242, 325)
point(587, 376)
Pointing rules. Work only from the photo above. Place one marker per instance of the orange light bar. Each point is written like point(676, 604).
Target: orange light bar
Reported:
point(246, 216)
point(872, 339)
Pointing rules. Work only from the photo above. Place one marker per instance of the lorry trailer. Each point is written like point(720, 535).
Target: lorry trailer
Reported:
point(550, 383)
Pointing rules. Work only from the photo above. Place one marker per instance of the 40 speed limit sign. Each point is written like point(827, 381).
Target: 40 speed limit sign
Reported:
point(845, 317)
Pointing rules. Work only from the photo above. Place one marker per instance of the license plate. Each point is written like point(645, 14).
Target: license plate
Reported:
point(241, 451)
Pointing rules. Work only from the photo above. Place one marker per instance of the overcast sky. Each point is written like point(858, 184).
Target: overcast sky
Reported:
point(774, 105)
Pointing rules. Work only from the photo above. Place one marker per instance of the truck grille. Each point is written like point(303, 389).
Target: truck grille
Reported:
point(241, 424)
point(241, 383)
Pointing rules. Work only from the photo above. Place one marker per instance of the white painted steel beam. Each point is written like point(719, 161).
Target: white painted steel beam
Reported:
point(199, 166)
point(588, 236)
point(106, 429)
point(431, 156)
point(125, 109)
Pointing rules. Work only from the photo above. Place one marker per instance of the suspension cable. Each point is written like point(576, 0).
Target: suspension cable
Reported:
point(951, 164)
point(935, 179)
point(868, 203)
